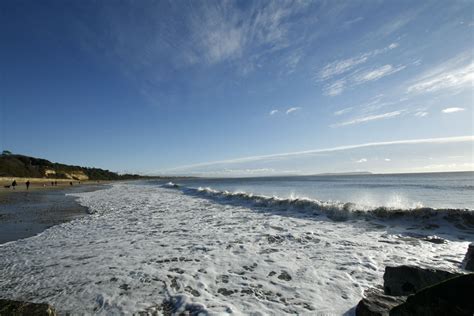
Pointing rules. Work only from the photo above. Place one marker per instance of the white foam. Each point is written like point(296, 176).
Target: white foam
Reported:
point(144, 245)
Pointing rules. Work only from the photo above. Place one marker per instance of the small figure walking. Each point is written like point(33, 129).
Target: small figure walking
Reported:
point(27, 184)
point(14, 184)
point(70, 183)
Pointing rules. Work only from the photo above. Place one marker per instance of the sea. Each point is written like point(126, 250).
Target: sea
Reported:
point(306, 245)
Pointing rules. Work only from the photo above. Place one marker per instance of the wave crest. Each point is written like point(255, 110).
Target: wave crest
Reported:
point(333, 209)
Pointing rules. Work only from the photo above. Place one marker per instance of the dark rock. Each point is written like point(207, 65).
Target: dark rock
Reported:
point(225, 291)
point(284, 276)
point(376, 303)
point(468, 262)
point(9, 307)
point(405, 280)
point(435, 239)
point(450, 297)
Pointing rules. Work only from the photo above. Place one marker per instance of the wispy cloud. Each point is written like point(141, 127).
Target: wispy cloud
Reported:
point(387, 159)
point(346, 73)
point(454, 75)
point(361, 160)
point(442, 140)
point(293, 109)
point(421, 114)
point(343, 111)
point(353, 21)
point(342, 66)
point(224, 32)
point(369, 118)
point(273, 112)
point(335, 88)
point(377, 73)
point(452, 110)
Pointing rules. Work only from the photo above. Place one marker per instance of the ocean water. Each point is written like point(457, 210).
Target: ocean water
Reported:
point(241, 246)
point(403, 191)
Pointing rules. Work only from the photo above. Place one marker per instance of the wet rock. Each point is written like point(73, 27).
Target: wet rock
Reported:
point(450, 297)
point(284, 276)
point(434, 239)
point(275, 239)
point(405, 280)
point(192, 291)
point(225, 291)
point(124, 286)
point(468, 262)
point(10, 307)
point(376, 303)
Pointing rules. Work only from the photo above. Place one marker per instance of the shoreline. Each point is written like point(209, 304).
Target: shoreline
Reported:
point(25, 213)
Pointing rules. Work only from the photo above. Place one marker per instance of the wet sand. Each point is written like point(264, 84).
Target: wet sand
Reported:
point(27, 213)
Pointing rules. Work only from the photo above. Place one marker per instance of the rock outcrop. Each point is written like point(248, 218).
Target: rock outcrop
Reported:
point(376, 303)
point(410, 290)
point(10, 307)
point(451, 297)
point(468, 262)
point(405, 280)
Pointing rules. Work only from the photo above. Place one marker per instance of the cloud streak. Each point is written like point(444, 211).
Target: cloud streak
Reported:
point(452, 110)
point(293, 109)
point(454, 75)
point(369, 118)
point(441, 140)
point(342, 66)
point(377, 73)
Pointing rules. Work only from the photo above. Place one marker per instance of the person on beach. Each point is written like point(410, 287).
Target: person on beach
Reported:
point(27, 184)
point(14, 184)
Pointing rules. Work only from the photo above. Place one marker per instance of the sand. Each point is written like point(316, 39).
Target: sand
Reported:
point(26, 213)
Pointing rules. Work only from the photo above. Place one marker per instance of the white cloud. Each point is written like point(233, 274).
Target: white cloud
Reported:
point(387, 159)
point(377, 73)
point(454, 75)
point(452, 110)
point(293, 109)
point(353, 21)
point(342, 66)
point(369, 118)
point(343, 111)
point(273, 112)
point(335, 88)
point(441, 140)
point(361, 160)
point(393, 45)
point(421, 114)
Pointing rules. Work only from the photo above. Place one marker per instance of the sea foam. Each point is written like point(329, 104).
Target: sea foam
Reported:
point(150, 249)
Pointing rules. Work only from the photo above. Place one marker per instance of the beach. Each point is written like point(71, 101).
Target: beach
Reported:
point(25, 213)
point(156, 247)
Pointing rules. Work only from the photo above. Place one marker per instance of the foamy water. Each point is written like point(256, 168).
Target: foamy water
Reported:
point(145, 245)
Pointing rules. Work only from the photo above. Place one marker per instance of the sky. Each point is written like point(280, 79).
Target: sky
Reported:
point(238, 88)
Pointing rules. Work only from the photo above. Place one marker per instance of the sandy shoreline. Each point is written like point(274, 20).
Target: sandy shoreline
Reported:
point(41, 184)
point(27, 213)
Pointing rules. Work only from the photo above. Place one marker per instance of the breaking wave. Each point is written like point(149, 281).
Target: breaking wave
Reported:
point(333, 209)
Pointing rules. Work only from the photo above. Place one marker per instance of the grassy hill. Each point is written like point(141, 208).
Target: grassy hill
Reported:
point(30, 167)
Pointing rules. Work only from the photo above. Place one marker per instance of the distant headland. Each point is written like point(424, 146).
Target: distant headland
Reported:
point(14, 165)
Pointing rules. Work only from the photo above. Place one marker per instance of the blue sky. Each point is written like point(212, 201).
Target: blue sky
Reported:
point(197, 87)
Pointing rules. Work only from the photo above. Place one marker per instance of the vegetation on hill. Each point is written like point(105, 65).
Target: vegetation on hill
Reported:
point(29, 167)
